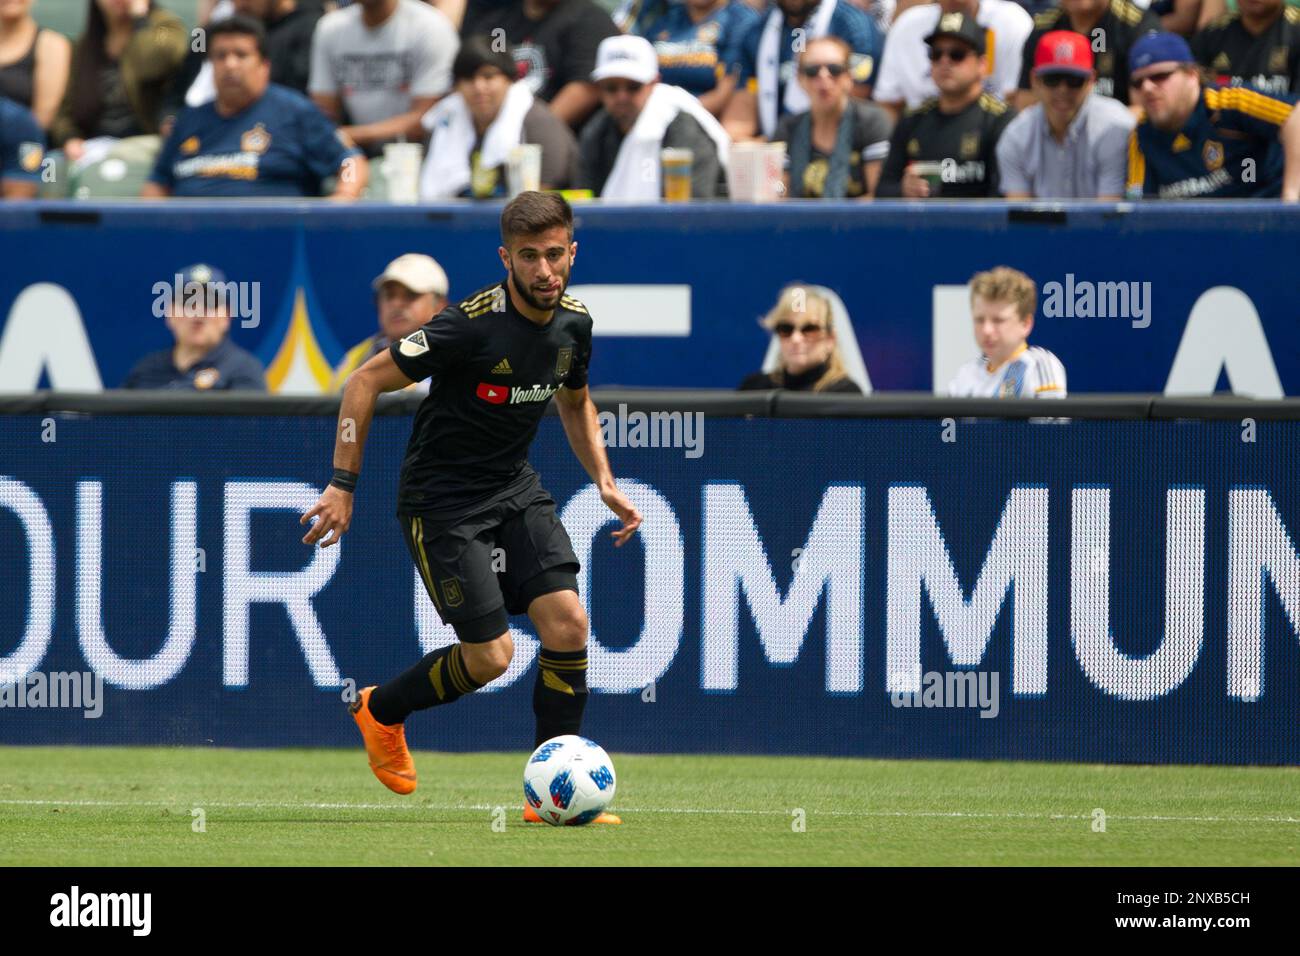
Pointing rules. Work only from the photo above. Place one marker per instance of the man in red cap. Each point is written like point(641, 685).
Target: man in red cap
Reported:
point(1071, 144)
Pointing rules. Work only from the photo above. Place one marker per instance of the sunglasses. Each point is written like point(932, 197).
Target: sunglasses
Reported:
point(1053, 80)
point(787, 329)
point(956, 54)
point(615, 86)
point(1157, 78)
point(813, 70)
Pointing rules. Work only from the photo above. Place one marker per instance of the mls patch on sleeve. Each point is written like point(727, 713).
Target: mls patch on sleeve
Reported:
point(414, 344)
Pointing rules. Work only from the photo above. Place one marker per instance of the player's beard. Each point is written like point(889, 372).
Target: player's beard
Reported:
point(527, 295)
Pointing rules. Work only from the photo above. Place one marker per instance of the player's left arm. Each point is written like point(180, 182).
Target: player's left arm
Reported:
point(578, 413)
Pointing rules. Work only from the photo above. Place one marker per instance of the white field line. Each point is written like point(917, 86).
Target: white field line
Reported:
point(720, 811)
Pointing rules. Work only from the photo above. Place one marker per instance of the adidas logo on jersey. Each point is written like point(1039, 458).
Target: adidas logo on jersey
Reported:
point(502, 368)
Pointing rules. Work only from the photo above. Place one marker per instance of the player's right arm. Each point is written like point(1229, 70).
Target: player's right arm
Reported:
point(334, 508)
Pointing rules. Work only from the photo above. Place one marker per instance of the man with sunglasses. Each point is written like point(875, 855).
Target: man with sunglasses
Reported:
point(1111, 27)
point(1070, 144)
point(956, 134)
point(1194, 141)
point(619, 150)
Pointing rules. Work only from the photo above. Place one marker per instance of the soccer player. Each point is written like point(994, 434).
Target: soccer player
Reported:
point(1198, 141)
point(1002, 305)
point(466, 486)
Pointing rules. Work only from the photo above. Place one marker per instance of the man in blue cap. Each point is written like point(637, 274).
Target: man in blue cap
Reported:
point(1199, 141)
point(203, 358)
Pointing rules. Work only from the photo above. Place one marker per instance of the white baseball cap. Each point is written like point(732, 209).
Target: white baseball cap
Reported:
point(626, 57)
point(418, 273)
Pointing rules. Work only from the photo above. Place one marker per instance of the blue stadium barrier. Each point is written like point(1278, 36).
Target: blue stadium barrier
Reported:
point(1181, 298)
point(1116, 589)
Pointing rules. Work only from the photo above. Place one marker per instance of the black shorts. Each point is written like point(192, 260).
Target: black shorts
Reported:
point(478, 568)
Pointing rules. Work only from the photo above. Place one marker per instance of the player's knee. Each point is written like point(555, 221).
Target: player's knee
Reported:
point(568, 631)
point(489, 660)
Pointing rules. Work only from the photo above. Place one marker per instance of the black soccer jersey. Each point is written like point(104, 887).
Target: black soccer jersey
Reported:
point(964, 143)
point(492, 372)
point(1269, 62)
point(1122, 25)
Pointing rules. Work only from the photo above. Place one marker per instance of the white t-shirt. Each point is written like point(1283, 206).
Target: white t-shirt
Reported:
point(377, 72)
point(1029, 373)
point(904, 72)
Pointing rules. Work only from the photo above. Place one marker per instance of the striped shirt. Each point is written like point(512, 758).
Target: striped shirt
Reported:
point(1029, 373)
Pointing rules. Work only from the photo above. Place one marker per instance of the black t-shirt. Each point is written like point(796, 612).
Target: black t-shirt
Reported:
point(492, 372)
point(1269, 62)
point(965, 143)
point(1120, 27)
point(558, 49)
point(803, 382)
point(601, 140)
point(871, 128)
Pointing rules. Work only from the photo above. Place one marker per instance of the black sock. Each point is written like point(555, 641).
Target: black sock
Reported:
point(439, 678)
point(560, 693)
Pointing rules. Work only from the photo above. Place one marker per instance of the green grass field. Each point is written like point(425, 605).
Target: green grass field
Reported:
point(134, 806)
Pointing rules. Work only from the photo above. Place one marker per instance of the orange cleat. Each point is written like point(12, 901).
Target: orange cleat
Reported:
point(386, 747)
point(530, 816)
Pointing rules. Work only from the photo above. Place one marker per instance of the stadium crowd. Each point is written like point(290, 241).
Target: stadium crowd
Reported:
point(1077, 99)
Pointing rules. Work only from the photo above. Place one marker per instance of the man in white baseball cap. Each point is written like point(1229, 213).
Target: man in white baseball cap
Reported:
point(618, 151)
point(408, 293)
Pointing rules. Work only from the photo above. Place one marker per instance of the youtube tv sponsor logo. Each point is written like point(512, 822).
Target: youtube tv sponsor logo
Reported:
point(496, 394)
point(502, 395)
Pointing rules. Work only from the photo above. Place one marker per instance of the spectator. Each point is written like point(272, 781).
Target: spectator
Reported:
point(22, 148)
point(697, 42)
point(836, 148)
point(1197, 141)
point(802, 322)
point(766, 88)
point(474, 129)
point(1070, 144)
point(120, 69)
point(289, 27)
point(34, 62)
point(958, 131)
point(255, 138)
point(1002, 303)
point(554, 46)
point(202, 357)
point(618, 154)
point(377, 66)
point(409, 293)
point(636, 16)
point(1111, 26)
point(905, 80)
point(1258, 46)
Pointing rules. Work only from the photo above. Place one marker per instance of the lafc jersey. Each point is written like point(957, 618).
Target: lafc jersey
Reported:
point(1122, 25)
point(492, 372)
point(1269, 62)
point(1028, 373)
point(1228, 148)
point(965, 143)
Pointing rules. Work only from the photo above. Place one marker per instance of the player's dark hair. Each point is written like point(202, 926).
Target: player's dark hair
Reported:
point(239, 25)
point(477, 52)
point(532, 212)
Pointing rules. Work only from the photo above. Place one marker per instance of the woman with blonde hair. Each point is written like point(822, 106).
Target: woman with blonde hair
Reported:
point(803, 323)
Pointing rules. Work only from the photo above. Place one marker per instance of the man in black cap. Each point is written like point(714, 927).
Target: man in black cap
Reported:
point(946, 146)
point(202, 358)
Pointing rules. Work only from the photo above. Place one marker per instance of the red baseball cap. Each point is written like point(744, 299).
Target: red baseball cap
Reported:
point(1063, 51)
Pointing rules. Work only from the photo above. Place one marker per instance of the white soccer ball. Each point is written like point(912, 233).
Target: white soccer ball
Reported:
point(569, 781)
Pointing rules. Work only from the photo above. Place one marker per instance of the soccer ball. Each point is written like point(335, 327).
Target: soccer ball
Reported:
point(569, 781)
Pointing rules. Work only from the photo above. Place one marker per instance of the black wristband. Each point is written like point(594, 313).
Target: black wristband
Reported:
point(344, 479)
